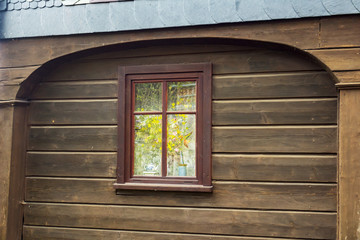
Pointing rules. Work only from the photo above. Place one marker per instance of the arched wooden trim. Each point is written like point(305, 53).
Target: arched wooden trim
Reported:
point(29, 84)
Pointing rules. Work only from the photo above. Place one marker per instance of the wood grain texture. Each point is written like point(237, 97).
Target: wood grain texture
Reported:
point(294, 168)
point(17, 173)
point(312, 139)
point(340, 31)
point(187, 220)
point(339, 59)
point(6, 126)
point(277, 85)
point(289, 196)
point(45, 233)
point(316, 111)
point(87, 112)
point(269, 112)
point(15, 76)
point(8, 92)
point(348, 76)
point(349, 165)
point(75, 90)
point(71, 164)
point(300, 168)
point(73, 138)
point(183, 47)
point(258, 60)
point(275, 139)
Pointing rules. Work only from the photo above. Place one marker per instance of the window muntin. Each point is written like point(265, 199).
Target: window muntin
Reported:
point(165, 128)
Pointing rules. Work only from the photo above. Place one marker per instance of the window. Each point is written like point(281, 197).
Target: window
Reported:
point(164, 128)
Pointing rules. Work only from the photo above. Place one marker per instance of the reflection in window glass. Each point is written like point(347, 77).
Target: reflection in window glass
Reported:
point(181, 152)
point(181, 96)
point(148, 97)
point(147, 149)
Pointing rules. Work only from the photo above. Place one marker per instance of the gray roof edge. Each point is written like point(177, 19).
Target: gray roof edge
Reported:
point(157, 14)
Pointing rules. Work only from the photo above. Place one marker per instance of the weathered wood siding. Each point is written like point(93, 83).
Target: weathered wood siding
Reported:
point(274, 152)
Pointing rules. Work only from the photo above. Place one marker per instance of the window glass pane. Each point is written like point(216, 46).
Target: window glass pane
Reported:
point(181, 154)
point(148, 97)
point(181, 96)
point(148, 139)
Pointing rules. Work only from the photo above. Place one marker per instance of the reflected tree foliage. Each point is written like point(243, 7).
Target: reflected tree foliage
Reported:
point(180, 129)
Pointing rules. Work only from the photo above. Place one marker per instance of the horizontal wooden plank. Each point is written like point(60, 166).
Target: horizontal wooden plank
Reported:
point(73, 138)
point(165, 50)
point(8, 92)
point(225, 87)
point(340, 31)
point(288, 196)
point(317, 111)
point(75, 90)
point(74, 112)
point(226, 62)
point(71, 164)
point(348, 76)
point(284, 85)
point(45, 233)
point(267, 112)
point(187, 220)
point(311, 139)
point(15, 76)
point(339, 59)
point(302, 139)
point(300, 168)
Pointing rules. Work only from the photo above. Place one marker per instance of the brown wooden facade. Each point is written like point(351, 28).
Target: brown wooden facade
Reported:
point(284, 137)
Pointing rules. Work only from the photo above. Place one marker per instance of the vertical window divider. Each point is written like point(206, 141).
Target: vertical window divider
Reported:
point(164, 132)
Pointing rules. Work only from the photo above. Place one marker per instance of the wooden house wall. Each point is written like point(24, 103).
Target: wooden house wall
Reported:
point(274, 152)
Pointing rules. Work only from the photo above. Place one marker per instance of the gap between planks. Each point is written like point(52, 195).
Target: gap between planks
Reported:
point(84, 100)
point(244, 237)
point(249, 210)
point(89, 59)
point(222, 154)
point(304, 155)
point(215, 76)
point(331, 48)
point(274, 100)
point(214, 181)
point(76, 126)
point(269, 74)
point(277, 127)
point(72, 152)
point(18, 67)
point(249, 100)
point(214, 127)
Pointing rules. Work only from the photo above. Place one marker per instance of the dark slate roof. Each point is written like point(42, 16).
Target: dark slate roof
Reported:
point(31, 18)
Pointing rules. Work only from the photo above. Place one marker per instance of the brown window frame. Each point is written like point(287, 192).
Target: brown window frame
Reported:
point(128, 75)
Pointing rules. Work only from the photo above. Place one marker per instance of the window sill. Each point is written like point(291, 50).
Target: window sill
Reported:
point(163, 187)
